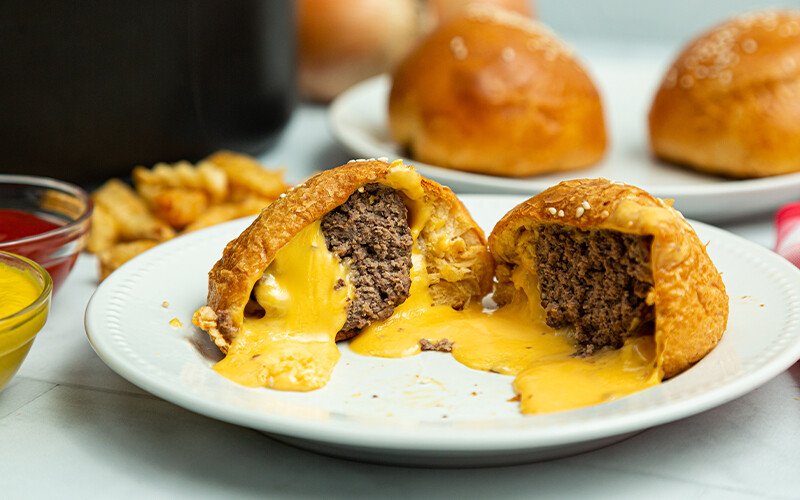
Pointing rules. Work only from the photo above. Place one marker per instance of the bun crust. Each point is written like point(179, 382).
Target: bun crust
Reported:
point(465, 259)
point(497, 93)
point(730, 103)
point(691, 305)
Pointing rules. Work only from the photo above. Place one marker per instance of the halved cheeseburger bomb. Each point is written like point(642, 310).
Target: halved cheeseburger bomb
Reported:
point(603, 290)
point(621, 272)
point(331, 257)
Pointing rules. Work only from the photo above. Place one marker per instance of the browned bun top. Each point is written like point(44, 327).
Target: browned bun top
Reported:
point(730, 103)
point(691, 305)
point(459, 266)
point(497, 93)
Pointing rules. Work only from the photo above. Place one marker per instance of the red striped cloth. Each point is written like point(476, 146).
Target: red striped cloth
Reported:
point(787, 223)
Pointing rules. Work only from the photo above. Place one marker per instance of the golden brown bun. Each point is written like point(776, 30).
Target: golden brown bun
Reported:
point(341, 42)
point(691, 305)
point(730, 103)
point(459, 265)
point(497, 93)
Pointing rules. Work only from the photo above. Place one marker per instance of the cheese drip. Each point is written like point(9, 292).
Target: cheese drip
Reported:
point(305, 293)
point(513, 340)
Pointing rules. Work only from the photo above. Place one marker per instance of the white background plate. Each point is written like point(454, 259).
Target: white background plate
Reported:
point(428, 409)
point(358, 119)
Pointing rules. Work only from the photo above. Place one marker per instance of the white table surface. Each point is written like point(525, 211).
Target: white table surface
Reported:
point(71, 427)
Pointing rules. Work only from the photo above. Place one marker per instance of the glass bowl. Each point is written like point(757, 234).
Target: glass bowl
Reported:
point(20, 323)
point(64, 211)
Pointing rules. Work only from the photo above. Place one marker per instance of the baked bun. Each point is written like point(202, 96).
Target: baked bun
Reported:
point(497, 93)
point(730, 103)
point(611, 261)
point(369, 211)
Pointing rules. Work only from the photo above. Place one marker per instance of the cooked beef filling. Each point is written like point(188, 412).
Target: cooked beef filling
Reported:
point(370, 233)
point(595, 283)
point(442, 345)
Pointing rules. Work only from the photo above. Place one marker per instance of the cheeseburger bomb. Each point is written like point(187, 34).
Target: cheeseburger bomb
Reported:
point(730, 103)
point(497, 93)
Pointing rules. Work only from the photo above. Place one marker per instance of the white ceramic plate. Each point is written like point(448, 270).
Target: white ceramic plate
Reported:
point(427, 409)
point(359, 121)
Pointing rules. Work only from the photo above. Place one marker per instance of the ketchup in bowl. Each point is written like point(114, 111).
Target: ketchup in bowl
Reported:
point(16, 224)
point(45, 220)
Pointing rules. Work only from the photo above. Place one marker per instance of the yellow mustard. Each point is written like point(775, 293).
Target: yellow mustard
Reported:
point(18, 326)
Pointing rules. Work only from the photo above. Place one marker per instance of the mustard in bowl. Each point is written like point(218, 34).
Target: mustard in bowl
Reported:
point(25, 291)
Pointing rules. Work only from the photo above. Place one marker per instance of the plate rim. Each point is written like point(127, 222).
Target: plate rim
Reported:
point(344, 434)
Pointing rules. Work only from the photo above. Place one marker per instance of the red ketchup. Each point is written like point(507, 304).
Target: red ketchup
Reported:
point(47, 250)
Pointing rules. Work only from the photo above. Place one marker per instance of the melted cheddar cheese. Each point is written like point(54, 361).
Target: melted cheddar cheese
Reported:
point(304, 293)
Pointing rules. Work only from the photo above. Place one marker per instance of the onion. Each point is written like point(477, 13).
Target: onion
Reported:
point(342, 42)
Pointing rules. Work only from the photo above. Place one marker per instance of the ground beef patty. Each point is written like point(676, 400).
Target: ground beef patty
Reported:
point(370, 233)
point(595, 283)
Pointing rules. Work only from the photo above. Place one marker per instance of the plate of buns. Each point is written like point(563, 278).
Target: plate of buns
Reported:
point(494, 102)
point(371, 313)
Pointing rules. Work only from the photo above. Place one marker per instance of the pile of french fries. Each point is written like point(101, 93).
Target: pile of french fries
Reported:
point(173, 199)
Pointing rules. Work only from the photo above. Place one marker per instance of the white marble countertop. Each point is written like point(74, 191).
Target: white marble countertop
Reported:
point(71, 427)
